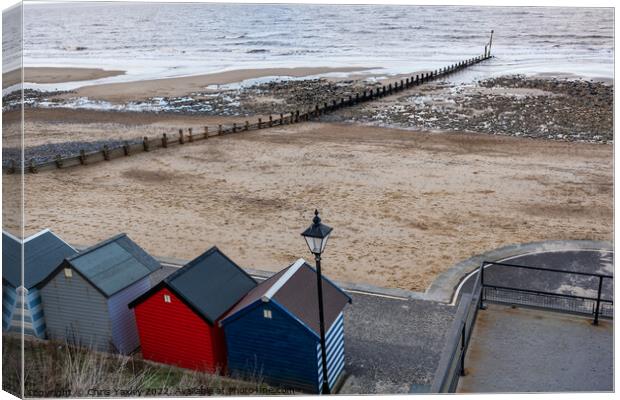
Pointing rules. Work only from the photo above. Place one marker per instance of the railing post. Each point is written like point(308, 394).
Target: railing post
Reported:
point(482, 307)
point(598, 300)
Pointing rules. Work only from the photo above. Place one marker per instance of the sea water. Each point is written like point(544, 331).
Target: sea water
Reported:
point(165, 40)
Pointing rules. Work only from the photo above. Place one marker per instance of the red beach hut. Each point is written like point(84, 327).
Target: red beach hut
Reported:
point(178, 318)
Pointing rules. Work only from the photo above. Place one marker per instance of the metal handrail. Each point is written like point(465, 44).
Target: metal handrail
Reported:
point(570, 296)
point(452, 362)
point(547, 269)
point(598, 298)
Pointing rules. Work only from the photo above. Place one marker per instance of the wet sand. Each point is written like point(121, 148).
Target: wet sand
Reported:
point(180, 86)
point(404, 205)
point(56, 75)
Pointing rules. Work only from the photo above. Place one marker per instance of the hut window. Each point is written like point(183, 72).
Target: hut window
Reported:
point(167, 299)
point(68, 273)
point(267, 314)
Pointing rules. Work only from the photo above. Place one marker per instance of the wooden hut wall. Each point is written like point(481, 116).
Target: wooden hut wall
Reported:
point(76, 311)
point(334, 340)
point(9, 298)
point(31, 310)
point(122, 320)
point(280, 350)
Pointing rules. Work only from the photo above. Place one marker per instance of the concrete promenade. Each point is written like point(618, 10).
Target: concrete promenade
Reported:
point(527, 350)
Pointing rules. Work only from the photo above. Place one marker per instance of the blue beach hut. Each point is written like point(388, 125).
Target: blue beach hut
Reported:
point(273, 332)
point(43, 252)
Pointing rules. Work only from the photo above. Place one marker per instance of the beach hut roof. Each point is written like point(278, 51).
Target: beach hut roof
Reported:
point(43, 252)
point(210, 285)
point(295, 289)
point(113, 265)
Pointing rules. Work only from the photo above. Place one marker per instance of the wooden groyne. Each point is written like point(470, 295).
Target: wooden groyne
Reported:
point(188, 135)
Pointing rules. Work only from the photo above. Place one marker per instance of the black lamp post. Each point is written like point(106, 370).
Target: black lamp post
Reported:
point(316, 238)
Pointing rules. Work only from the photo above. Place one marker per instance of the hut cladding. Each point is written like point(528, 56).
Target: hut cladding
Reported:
point(86, 297)
point(43, 252)
point(273, 332)
point(178, 318)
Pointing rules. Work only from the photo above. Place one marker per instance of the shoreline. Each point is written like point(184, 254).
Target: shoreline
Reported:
point(547, 109)
point(124, 92)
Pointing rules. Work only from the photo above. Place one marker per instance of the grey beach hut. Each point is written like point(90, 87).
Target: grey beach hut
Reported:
point(87, 295)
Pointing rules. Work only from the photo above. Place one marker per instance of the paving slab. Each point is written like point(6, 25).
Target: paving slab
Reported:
point(524, 350)
point(391, 344)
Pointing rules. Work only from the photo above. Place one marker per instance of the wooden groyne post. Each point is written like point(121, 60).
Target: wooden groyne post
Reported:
point(106, 152)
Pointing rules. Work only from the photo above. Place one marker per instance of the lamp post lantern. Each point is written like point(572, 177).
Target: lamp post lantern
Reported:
point(316, 237)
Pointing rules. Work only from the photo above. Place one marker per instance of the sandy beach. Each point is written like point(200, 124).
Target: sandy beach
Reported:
point(412, 183)
point(56, 75)
point(404, 205)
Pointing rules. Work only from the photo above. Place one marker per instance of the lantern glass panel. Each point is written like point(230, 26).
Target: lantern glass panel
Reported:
point(324, 242)
point(314, 244)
